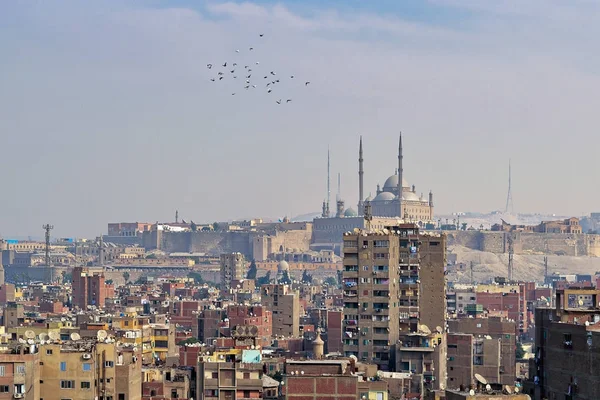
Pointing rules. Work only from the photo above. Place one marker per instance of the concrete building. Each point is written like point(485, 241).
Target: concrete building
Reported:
point(259, 316)
point(567, 347)
point(284, 303)
point(90, 287)
point(495, 328)
point(20, 375)
point(86, 369)
point(371, 317)
point(469, 355)
point(233, 267)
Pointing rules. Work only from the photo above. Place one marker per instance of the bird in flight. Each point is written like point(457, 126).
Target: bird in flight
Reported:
point(237, 51)
point(266, 77)
point(269, 91)
point(262, 34)
point(288, 100)
point(249, 75)
point(292, 77)
point(278, 101)
point(268, 84)
point(246, 87)
point(254, 86)
point(220, 78)
point(220, 73)
point(233, 94)
point(251, 48)
point(272, 73)
point(246, 66)
point(213, 79)
point(234, 64)
point(257, 63)
point(232, 71)
point(225, 64)
point(306, 84)
point(209, 66)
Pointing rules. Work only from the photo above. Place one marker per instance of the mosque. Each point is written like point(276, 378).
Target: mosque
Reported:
point(386, 208)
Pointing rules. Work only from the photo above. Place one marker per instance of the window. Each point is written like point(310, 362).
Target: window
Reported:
point(247, 394)
point(4, 389)
point(2, 370)
point(109, 364)
point(67, 384)
point(20, 369)
point(246, 376)
point(121, 396)
point(87, 366)
point(63, 366)
point(48, 352)
point(85, 385)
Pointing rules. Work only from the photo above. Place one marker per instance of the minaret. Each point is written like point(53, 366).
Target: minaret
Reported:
point(360, 179)
point(400, 175)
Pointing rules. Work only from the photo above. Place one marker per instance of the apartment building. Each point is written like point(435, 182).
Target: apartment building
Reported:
point(233, 267)
point(371, 296)
point(284, 304)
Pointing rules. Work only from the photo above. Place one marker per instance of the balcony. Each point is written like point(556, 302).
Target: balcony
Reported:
point(255, 384)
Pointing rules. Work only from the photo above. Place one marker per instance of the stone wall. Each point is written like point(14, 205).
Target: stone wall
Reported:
point(529, 242)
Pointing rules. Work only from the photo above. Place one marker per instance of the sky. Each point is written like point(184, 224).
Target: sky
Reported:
point(108, 113)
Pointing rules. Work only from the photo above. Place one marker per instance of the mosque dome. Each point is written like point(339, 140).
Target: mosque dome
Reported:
point(283, 266)
point(369, 198)
point(350, 213)
point(384, 196)
point(392, 183)
point(410, 196)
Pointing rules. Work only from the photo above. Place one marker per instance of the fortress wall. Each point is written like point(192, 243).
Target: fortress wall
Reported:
point(494, 242)
point(470, 239)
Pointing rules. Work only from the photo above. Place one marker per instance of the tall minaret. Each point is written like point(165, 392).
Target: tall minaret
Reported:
point(360, 179)
point(400, 175)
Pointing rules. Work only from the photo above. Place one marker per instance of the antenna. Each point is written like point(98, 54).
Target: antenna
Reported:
point(367, 215)
point(472, 267)
point(509, 200)
point(48, 228)
point(176, 216)
point(328, 185)
point(339, 186)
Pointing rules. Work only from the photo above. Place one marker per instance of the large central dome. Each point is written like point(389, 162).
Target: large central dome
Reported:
point(392, 183)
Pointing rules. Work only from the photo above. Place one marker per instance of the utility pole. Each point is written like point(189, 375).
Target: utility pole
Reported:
point(48, 228)
point(545, 269)
point(176, 216)
point(510, 257)
point(509, 200)
point(472, 267)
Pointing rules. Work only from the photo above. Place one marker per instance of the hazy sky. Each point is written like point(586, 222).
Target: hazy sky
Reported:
point(107, 111)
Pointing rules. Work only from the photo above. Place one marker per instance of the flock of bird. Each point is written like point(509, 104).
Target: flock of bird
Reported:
point(233, 70)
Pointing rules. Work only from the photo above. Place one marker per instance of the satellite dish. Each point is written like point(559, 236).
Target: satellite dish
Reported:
point(481, 379)
point(42, 342)
point(101, 335)
point(488, 387)
point(30, 341)
point(425, 329)
point(580, 302)
point(75, 336)
point(517, 389)
point(22, 341)
point(53, 335)
point(42, 337)
point(508, 389)
point(30, 334)
point(471, 392)
point(587, 323)
point(438, 329)
point(63, 319)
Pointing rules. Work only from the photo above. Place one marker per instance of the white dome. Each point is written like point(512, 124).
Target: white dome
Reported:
point(392, 183)
point(283, 266)
point(384, 196)
point(410, 196)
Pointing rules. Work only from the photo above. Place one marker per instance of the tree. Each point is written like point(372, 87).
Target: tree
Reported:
point(216, 226)
point(264, 280)
point(520, 352)
point(126, 276)
point(196, 277)
point(151, 257)
point(277, 376)
point(464, 226)
point(252, 271)
point(285, 279)
point(109, 282)
point(306, 277)
point(193, 227)
point(331, 281)
point(190, 340)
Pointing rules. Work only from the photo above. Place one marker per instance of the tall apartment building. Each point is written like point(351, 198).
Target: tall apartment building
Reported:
point(371, 307)
point(233, 267)
point(90, 287)
point(284, 303)
point(19, 375)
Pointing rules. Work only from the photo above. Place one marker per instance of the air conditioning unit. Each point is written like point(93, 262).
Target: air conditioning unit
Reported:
point(86, 356)
point(18, 395)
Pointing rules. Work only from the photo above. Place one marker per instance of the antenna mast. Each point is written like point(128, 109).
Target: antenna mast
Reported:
point(328, 184)
point(509, 200)
point(368, 216)
point(510, 257)
point(48, 228)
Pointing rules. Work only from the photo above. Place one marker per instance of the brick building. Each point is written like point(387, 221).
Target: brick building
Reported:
point(90, 287)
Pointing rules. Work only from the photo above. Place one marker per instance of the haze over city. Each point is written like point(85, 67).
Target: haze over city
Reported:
point(107, 111)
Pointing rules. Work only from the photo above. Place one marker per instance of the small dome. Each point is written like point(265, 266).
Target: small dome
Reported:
point(369, 198)
point(392, 183)
point(283, 266)
point(350, 213)
point(384, 196)
point(410, 196)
